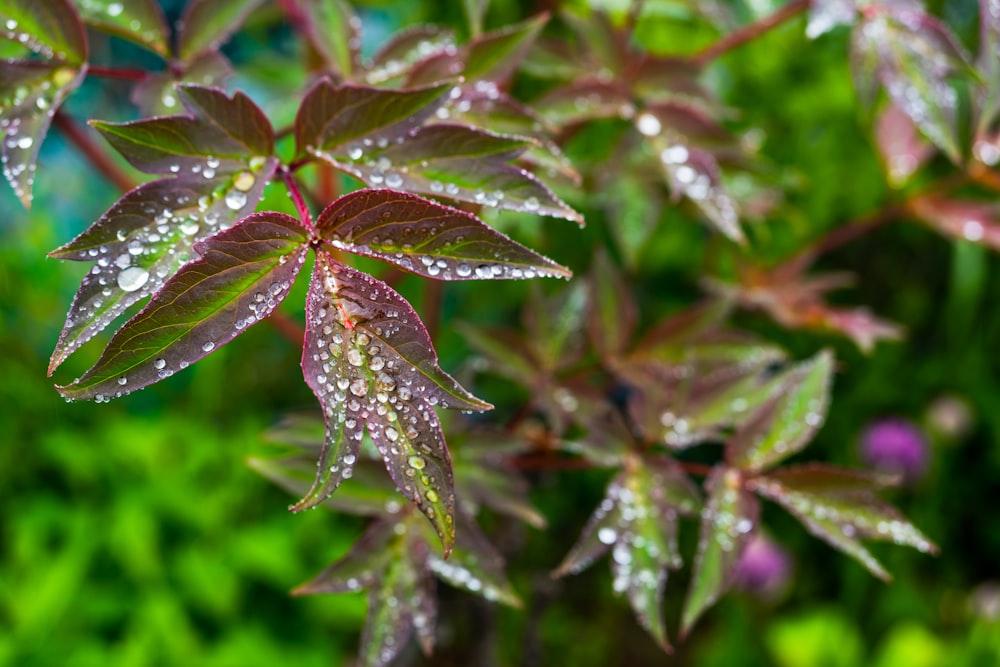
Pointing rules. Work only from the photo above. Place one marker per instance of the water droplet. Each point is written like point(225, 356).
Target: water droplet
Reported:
point(114, 9)
point(393, 180)
point(391, 434)
point(208, 346)
point(648, 124)
point(159, 364)
point(674, 154)
point(431, 495)
point(243, 182)
point(123, 380)
point(236, 200)
point(607, 535)
point(417, 462)
point(132, 278)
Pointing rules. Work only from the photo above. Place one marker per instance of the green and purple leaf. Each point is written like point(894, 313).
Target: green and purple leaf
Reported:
point(637, 522)
point(207, 24)
point(612, 315)
point(968, 220)
point(786, 423)
point(50, 28)
point(371, 365)
point(139, 21)
point(335, 32)
point(727, 523)
point(30, 93)
point(241, 277)
point(840, 506)
point(141, 241)
point(427, 238)
point(405, 50)
point(988, 64)
point(157, 95)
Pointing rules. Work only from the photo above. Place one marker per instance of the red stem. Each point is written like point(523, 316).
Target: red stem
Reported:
point(750, 32)
point(296, 195)
point(127, 73)
point(289, 329)
point(90, 150)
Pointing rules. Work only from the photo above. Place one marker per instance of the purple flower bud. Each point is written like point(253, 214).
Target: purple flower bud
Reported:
point(764, 568)
point(895, 446)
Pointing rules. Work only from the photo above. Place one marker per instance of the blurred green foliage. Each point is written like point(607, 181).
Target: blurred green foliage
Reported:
point(132, 533)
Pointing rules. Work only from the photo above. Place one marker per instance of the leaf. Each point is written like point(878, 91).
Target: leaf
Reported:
point(475, 10)
point(350, 119)
point(242, 275)
point(585, 99)
point(613, 314)
point(902, 150)
point(988, 64)
point(50, 28)
point(30, 93)
point(727, 523)
point(637, 522)
point(139, 21)
point(335, 31)
point(144, 239)
point(390, 560)
point(368, 359)
point(964, 219)
point(839, 506)
point(912, 54)
point(156, 94)
point(219, 136)
point(508, 354)
point(207, 24)
point(786, 423)
point(427, 238)
point(825, 15)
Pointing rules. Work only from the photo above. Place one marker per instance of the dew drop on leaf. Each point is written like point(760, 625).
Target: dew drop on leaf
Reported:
point(236, 200)
point(132, 278)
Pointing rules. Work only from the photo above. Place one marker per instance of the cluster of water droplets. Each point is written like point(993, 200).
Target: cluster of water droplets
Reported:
point(11, 30)
point(114, 13)
point(730, 530)
point(386, 70)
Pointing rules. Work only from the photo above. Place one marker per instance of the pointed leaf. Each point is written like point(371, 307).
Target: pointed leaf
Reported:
point(786, 423)
point(988, 64)
point(156, 95)
point(505, 350)
point(370, 363)
point(242, 276)
point(727, 523)
point(220, 129)
point(139, 21)
point(475, 10)
point(360, 568)
point(613, 314)
point(146, 237)
point(839, 506)
point(694, 173)
point(406, 49)
point(968, 220)
point(427, 238)
point(350, 119)
point(335, 31)
point(637, 522)
point(30, 93)
point(50, 28)
point(207, 24)
point(825, 15)
point(483, 477)
point(902, 149)
point(554, 323)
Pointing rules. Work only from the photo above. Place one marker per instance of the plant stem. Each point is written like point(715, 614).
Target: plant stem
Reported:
point(750, 32)
point(99, 158)
point(289, 329)
point(127, 73)
point(296, 195)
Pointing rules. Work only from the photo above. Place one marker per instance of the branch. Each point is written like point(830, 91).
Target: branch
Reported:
point(296, 195)
point(126, 73)
point(750, 32)
point(98, 157)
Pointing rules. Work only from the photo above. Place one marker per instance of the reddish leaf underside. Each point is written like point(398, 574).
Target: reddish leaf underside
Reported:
point(241, 277)
point(370, 362)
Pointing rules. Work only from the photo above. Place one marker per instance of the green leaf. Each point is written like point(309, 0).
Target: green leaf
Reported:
point(391, 561)
point(207, 24)
point(368, 359)
point(242, 276)
point(637, 522)
point(221, 134)
point(143, 240)
point(50, 28)
point(157, 95)
point(475, 10)
point(351, 119)
point(335, 31)
point(840, 506)
point(786, 423)
point(505, 350)
point(612, 315)
point(727, 523)
point(30, 93)
point(139, 21)
point(427, 238)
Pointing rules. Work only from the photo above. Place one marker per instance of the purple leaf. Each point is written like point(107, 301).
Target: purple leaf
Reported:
point(727, 523)
point(242, 276)
point(368, 359)
point(613, 314)
point(839, 506)
point(156, 95)
point(139, 21)
point(52, 29)
point(902, 149)
point(335, 31)
point(348, 120)
point(146, 237)
point(427, 238)
point(585, 99)
point(30, 93)
point(786, 423)
point(637, 522)
point(219, 136)
point(968, 220)
point(407, 49)
point(207, 24)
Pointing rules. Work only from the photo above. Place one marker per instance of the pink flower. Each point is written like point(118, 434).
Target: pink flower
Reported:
point(895, 446)
point(764, 568)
